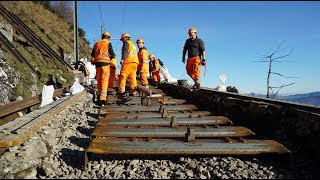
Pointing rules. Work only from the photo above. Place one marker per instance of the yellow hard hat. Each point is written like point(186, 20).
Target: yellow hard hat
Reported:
point(125, 35)
point(106, 34)
point(140, 40)
point(192, 30)
point(151, 56)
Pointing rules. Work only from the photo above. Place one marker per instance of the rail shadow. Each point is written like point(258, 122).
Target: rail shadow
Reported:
point(73, 158)
point(84, 131)
point(81, 142)
point(93, 115)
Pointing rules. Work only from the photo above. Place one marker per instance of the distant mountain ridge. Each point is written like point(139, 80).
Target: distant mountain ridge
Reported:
point(312, 98)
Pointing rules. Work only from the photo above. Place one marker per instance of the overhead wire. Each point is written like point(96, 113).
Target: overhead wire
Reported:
point(123, 14)
point(102, 25)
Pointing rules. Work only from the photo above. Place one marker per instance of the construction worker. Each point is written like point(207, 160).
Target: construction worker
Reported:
point(143, 67)
point(113, 70)
point(154, 68)
point(129, 62)
point(101, 54)
point(196, 51)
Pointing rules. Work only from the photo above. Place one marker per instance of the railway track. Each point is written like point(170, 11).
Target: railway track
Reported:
point(4, 41)
point(32, 37)
point(18, 131)
point(154, 123)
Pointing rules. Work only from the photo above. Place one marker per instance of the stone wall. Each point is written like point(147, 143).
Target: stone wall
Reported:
point(294, 125)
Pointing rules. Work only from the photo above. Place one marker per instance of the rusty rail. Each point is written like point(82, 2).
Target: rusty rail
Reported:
point(162, 128)
point(13, 51)
point(172, 146)
point(31, 36)
point(16, 106)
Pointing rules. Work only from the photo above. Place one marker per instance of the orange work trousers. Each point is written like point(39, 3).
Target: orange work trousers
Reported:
point(193, 68)
point(112, 76)
point(144, 69)
point(156, 76)
point(102, 76)
point(128, 70)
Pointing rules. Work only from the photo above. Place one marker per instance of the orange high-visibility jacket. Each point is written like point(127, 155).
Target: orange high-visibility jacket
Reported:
point(113, 62)
point(154, 65)
point(132, 54)
point(101, 49)
point(143, 56)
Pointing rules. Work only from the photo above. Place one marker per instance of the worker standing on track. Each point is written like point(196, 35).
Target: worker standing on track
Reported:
point(129, 62)
point(101, 54)
point(143, 67)
point(196, 51)
point(154, 68)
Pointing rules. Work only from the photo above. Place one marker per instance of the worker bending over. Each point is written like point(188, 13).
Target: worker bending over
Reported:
point(154, 68)
point(113, 69)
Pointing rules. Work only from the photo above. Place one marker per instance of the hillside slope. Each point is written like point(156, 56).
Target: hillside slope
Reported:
point(16, 79)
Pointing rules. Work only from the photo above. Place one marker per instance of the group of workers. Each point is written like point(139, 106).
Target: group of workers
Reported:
point(139, 62)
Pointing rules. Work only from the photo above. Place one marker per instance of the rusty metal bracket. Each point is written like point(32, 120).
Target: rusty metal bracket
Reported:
point(173, 122)
point(190, 137)
point(229, 140)
point(241, 139)
point(164, 113)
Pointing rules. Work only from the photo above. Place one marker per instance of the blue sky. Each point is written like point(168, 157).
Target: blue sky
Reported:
point(235, 35)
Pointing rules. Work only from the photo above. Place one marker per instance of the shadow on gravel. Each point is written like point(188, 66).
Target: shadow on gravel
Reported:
point(84, 131)
point(81, 142)
point(91, 123)
point(93, 115)
point(73, 158)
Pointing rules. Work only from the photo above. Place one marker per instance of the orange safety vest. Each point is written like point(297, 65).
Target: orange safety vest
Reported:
point(101, 49)
point(143, 56)
point(113, 62)
point(154, 65)
point(132, 54)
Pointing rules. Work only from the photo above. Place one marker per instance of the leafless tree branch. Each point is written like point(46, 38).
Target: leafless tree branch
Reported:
point(282, 75)
point(276, 50)
point(283, 56)
point(281, 86)
point(274, 95)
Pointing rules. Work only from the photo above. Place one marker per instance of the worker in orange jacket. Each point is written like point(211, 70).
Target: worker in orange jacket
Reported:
point(113, 70)
point(143, 67)
point(129, 62)
point(101, 54)
point(196, 51)
point(154, 68)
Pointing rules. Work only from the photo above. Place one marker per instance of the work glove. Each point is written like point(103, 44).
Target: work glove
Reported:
point(92, 61)
point(203, 62)
point(183, 60)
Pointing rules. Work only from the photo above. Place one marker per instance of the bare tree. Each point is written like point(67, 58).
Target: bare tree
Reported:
point(271, 59)
point(63, 9)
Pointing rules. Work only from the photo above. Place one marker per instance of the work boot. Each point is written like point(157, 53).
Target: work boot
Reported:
point(102, 103)
point(134, 94)
point(120, 94)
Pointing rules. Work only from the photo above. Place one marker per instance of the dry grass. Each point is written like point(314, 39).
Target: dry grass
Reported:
point(53, 31)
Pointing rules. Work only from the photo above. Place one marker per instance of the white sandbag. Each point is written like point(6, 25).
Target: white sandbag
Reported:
point(222, 87)
point(76, 87)
point(47, 95)
point(92, 71)
point(166, 75)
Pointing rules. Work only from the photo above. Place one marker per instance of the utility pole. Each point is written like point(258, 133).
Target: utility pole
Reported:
point(75, 27)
